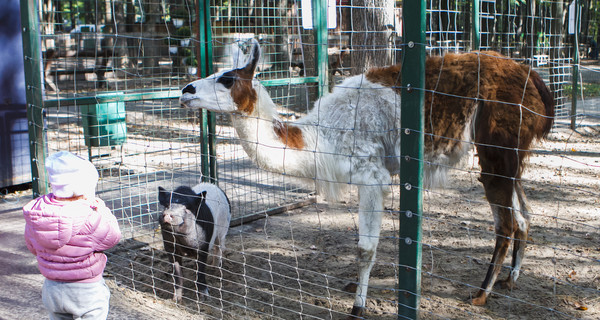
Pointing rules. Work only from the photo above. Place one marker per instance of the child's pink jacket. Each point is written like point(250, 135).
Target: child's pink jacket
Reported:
point(68, 237)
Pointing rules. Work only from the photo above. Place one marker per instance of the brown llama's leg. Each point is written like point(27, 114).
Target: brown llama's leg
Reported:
point(499, 192)
point(521, 212)
point(502, 138)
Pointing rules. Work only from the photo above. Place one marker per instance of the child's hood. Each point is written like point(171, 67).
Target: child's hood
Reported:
point(53, 223)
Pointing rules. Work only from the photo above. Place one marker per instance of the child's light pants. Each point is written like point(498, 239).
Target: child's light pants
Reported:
point(66, 300)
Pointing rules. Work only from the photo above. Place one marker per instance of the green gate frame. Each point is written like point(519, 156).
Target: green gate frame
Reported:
point(36, 104)
point(412, 120)
point(32, 56)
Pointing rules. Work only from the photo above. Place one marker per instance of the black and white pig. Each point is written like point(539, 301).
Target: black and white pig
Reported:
point(194, 224)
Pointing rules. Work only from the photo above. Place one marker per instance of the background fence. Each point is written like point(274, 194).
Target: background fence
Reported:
point(111, 75)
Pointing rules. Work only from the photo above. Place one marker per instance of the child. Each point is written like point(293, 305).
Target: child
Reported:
point(67, 230)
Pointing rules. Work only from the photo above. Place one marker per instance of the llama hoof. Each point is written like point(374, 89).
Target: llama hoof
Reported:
point(506, 284)
point(479, 300)
point(356, 313)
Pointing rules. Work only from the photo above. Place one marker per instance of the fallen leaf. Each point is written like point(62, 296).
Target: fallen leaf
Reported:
point(579, 306)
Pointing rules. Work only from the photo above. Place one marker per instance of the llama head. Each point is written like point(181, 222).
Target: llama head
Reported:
point(227, 91)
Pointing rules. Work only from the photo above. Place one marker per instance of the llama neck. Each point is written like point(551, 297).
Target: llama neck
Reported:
point(258, 136)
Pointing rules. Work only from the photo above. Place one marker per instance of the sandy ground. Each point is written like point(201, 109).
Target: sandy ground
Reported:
point(21, 282)
point(297, 264)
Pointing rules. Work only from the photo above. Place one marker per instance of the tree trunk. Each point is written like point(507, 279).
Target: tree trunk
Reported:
point(132, 42)
point(371, 21)
point(530, 30)
point(106, 43)
point(151, 48)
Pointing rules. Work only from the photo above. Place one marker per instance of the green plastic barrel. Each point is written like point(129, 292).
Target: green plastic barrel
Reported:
point(104, 123)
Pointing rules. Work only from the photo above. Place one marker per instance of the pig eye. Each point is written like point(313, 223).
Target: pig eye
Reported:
point(177, 200)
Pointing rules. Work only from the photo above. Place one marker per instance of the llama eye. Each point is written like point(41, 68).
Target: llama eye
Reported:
point(227, 79)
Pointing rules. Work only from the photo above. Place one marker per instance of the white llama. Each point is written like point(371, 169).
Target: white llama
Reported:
point(352, 136)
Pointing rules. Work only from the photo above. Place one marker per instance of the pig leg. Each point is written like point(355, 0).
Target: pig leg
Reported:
point(201, 288)
point(216, 255)
point(177, 278)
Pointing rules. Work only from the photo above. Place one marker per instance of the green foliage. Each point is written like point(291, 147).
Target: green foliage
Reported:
point(180, 13)
point(183, 32)
point(185, 52)
point(172, 42)
point(589, 89)
point(191, 61)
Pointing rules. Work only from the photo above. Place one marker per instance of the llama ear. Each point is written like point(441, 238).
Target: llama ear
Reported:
point(253, 57)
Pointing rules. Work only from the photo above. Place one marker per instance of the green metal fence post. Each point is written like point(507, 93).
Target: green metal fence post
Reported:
point(475, 31)
point(32, 56)
point(319, 8)
point(208, 119)
point(411, 207)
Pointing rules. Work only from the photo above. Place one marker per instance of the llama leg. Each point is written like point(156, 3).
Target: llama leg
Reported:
point(499, 192)
point(369, 227)
point(521, 211)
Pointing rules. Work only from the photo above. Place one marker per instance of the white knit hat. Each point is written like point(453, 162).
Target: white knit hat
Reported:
point(70, 175)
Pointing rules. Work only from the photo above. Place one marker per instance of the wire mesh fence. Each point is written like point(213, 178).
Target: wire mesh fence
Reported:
point(299, 260)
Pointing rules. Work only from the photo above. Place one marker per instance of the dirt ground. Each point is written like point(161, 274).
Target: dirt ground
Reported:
point(296, 265)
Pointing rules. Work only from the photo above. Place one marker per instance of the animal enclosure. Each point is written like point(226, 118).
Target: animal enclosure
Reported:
point(112, 74)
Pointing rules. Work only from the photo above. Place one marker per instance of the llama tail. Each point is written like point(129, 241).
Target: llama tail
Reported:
point(548, 101)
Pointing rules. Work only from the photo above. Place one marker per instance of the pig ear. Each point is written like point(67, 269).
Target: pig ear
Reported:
point(164, 197)
point(200, 197)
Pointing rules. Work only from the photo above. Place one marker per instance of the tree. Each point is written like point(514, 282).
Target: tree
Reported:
point(372, 25)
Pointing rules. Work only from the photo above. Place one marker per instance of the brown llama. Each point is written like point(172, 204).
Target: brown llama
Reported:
point(353, 136)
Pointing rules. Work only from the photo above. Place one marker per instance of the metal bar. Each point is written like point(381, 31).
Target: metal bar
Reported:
point(173, 93)
point(212, 117)
point(269, 212)
point(575, 75)
point(289, 81)
point(207, 130)
point(205, 61)
point(475, 31)
point(32, 55)
point(411, 177)
point(108, 97)
point(320, 28)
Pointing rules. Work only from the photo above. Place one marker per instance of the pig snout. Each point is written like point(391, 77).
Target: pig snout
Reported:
point(167, 218)
point(174, 216)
